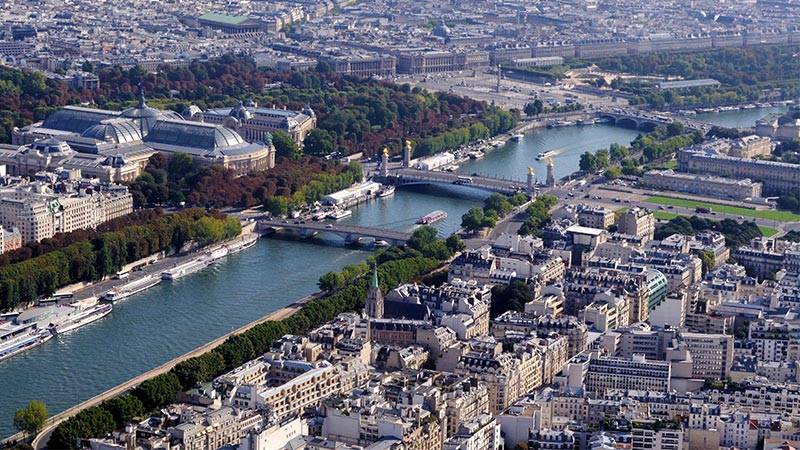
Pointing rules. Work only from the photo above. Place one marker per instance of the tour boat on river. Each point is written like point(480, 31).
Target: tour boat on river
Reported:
point(433, 217)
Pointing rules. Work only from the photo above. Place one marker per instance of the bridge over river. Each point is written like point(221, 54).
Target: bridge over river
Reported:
point(350, 233)
point(409, 176)
point(638, 118)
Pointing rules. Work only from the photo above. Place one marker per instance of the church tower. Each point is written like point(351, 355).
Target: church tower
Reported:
point(373, 307)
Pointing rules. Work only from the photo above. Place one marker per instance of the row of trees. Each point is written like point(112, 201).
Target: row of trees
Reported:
point(316, 187)
point(537, 107)
point(179, 178)
point(494, 207)
point(354, 114)
point(105, 253)
point(693, 98)
point(538, 215)
point(733, 66)
point(491, 124)
point(745, 72)
point(736, 233)
point(660, 143)
point(396, 266)
point(664, 141)
point(61, 240)
point(791, 200)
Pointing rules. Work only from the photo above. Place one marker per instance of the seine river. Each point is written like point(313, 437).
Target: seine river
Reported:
point(170, 319)
point(739, 119)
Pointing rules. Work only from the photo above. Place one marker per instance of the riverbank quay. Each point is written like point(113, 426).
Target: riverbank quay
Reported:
point(150, 266)
point(298, 318)
point(41, 439)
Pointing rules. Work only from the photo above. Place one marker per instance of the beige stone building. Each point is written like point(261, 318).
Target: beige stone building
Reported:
point(707, 185)
point(256, 123)
point(39, 213)
point(638, 222)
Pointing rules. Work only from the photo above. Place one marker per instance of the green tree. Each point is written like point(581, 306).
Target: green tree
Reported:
point(180, 165)
point(158, 390)
point(454, 243)
point(588, 163)
point(533, 108)
point(277, 205)
point(618, 152)
point(473, 220)
point(31, 418)
point(425, 240)
point(707, 258)
point(613, 172)
point(285, 146)
point(510, 297)
point(497, 203)
point(318, 142)
point(208, 230)
point(330, 281)
point(124, 409)
point(422, 237)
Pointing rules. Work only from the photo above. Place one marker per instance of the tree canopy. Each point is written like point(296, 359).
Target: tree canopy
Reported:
point(31, 418)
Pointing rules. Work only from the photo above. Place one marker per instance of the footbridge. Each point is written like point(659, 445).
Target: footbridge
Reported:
point(350, 233)
point(409, 176)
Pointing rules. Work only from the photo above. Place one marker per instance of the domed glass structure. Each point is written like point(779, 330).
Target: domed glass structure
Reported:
point(76, 119)
point(145, 117)
point(115, 131)
point(194, 135)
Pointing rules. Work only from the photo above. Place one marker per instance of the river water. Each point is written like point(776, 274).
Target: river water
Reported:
point(170, 319)
point(742, 118)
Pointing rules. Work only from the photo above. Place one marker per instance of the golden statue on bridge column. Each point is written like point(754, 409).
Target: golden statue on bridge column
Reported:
point(407, 154)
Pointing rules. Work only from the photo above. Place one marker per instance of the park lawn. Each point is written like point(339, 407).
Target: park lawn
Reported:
point(671, 164)
point(781, 216)
point(663, 215)
point(767, 231)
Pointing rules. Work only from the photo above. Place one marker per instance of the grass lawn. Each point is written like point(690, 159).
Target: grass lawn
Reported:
point(767, 231)
point(663, 215)
point(781, 216)
point(671, 164)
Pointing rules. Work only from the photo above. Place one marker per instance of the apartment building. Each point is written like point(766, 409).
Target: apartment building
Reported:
point(656, 435)
point(309, 388)
point(364, 417)
point(215, 428)
point(39, 213)
point(600, 374)
point(506, 375)
point(595, 217)
point(582, 285)
point(712, 354)
point(480, 433)
point(465, 400)
point(574, 330)
point(637, 222)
